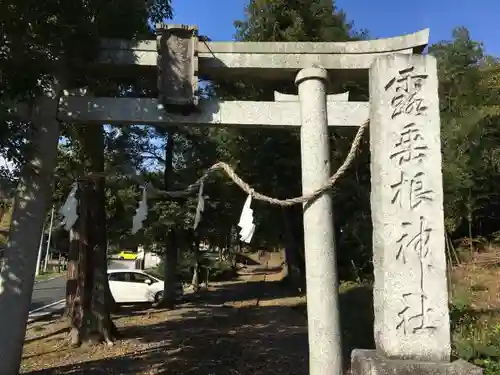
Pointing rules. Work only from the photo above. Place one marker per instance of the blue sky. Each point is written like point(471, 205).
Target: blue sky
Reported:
point(382, 18)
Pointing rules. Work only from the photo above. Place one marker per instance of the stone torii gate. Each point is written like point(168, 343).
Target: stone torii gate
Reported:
point(397, 78)
point(178, 57)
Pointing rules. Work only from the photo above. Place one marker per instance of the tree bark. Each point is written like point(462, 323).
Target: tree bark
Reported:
point(469, 223)
point(295, 263)
point(170, 271)
point(75, 282)
point(72, 272)
point(89, 302)
point(20, 256)
point(196, 271)
point(170, 251)
point(101, 301)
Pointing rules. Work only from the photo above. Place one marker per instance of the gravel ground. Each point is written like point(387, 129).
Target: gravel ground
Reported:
point(234, 328)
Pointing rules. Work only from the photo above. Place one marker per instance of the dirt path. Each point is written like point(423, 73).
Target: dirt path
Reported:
point(236, 328)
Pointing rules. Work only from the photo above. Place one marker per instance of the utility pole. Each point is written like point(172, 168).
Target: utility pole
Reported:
point(48, 240)
point(39, 257)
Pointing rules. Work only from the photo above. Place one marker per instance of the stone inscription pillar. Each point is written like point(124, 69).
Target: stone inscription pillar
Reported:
point(410, 292)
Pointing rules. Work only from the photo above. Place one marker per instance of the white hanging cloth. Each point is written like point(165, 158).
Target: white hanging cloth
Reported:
point(69, 210)
point(141, 213)
point(246, 221)
point(199, 208)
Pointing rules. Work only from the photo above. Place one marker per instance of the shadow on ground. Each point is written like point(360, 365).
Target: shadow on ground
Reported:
point(356, 318)
point(211, 337)
point(50, 334)
point(208, 345)
point(245, 259)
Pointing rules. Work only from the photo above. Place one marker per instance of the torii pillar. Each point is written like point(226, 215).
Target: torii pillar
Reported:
point(325, 349)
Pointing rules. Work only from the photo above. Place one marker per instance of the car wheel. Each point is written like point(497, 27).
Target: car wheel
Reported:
point(121, 258)
point(158, 297)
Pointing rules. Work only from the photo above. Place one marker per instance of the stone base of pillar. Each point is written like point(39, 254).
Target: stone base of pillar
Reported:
point(369, 362)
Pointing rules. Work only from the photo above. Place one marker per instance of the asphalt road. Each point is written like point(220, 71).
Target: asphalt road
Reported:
point(118, 264)
point(47, 292)
point(50, 291)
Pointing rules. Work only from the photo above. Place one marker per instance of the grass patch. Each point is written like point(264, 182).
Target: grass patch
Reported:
point(48, 275)
point(474, 315)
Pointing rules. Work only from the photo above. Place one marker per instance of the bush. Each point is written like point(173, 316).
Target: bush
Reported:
point(476, 338)
point(222, 271)
point(218, 270)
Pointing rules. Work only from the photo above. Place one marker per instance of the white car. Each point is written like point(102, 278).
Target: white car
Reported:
point(134, 286)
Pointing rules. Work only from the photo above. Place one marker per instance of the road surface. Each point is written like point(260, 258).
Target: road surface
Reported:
point(51, 291)
point(47, 292)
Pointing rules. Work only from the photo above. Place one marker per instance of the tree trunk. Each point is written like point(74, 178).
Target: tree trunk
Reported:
point(295, 221)
point(296, 266)
point(469, 222)
point(75, 282)
point(18, 267)
point(170, 272)
point(170, 251)
point(72, 272)
point(98, 317)
point(196, 272)
point(90, 302)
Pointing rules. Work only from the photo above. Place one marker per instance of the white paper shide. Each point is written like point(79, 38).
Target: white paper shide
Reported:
point(69, 210)
point(141, 213)
point(199, 208)
point(246, 222)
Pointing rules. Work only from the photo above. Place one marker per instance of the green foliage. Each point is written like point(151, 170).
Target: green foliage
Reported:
point(218, 270)
point(475, 336)
point(35, 35)
point(46, 39)
point(222, 271)
point(269, 159)
point(284, 20)
point(470, 116)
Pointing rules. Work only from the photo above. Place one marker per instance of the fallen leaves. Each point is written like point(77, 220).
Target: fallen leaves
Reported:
point(225, 332)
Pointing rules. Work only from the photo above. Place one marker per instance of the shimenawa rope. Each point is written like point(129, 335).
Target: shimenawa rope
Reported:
point(289, 201)
point(256, 195)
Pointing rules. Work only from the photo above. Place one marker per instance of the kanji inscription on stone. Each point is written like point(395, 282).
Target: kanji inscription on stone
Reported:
point(410, 291)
